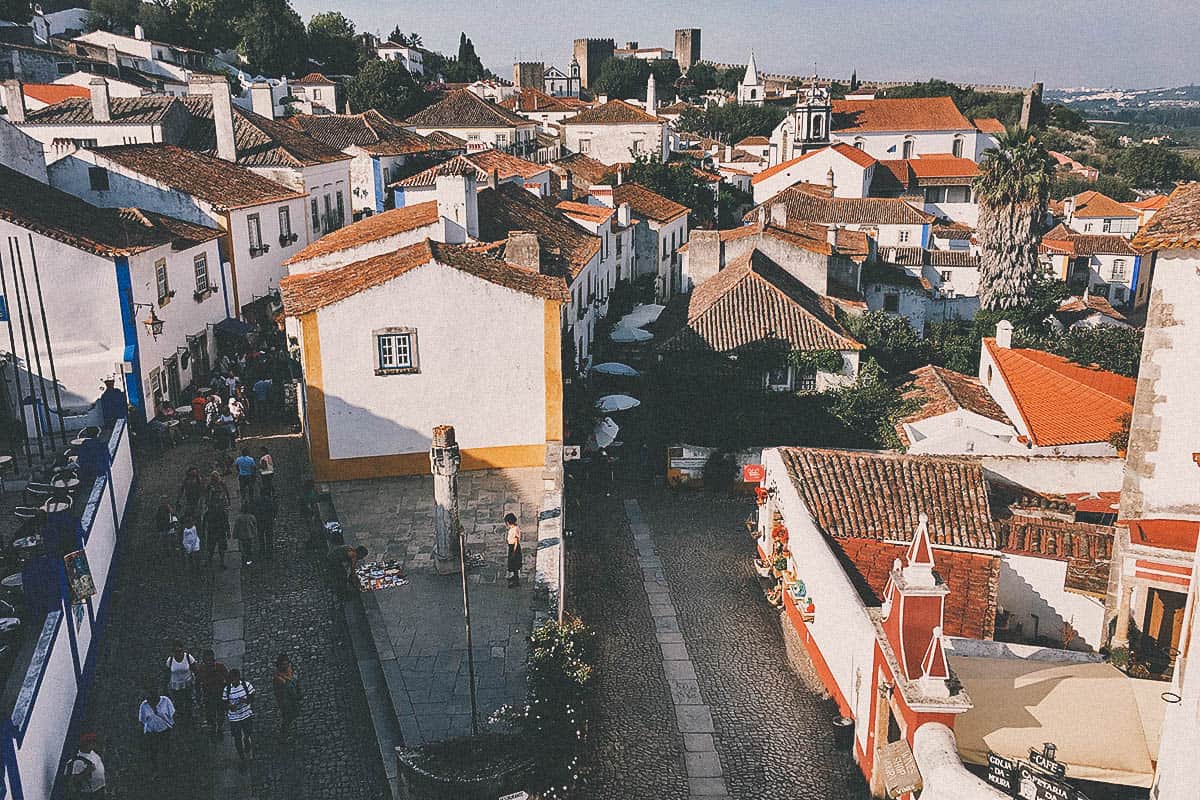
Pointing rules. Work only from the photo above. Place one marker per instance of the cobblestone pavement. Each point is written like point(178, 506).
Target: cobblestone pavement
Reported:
point(772, 732)
point(288, 608)
point(636, 750)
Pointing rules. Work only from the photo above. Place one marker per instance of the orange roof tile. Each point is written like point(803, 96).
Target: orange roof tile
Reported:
point(1092, 204)
point(1060, 401)
point(373, 228)
point(754, 141)
point(937, 166)
point(853, 153)
point(899, 114)
point(1173, 534)
point(614, 112)
point(989, 125)
point(1152, 203)
point(1176, 225)
point(588, 211)
point(51, 93)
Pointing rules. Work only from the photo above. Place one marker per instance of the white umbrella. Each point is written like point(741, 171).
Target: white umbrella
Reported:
point(623, 334)
point(642, 315)
point(605, 432)
point(617, 402)
point(616, 368)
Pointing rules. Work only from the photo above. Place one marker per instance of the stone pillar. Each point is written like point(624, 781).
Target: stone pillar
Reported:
point(444, 460)
point(1121, 635)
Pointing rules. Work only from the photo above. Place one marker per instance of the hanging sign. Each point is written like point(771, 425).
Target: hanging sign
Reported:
point(753, 473)
point(900, 773)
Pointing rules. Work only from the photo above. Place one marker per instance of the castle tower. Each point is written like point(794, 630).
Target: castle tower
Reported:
point(591, 55)
point(687, 47)
point(751, 90)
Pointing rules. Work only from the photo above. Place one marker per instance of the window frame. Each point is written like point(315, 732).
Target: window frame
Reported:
point(285, 225)
point(162, 282)
point(908, 148)
point(903, 237)
point(889, 297)
point(254, 235)
point(199, 262)
point(96, 176)
point(956, 148)
point(316, 215)
point(378, 337)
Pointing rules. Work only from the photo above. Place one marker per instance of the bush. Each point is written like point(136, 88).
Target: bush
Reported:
point(890, 340)
point(812, 361)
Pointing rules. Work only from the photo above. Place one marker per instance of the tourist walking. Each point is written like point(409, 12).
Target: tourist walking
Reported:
point(165, 522)
point(216, 532)
point(264, 513)
point(157, 716)
point(239, 712)
point(180, 664)
point(245, 530)
point(191, 547)
point(513, 537)
point(84, 771)
point(211, 678)
point(191, 493)
point(287, 693)
point(246, 468)
point(266, 471)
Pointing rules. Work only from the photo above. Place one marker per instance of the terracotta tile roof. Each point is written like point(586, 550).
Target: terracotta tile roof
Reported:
point(440, 140)
point(1177, 225)
point(588, 211)
point(566, 247)
point(893, 179)
point(988, 125)
point(939, 167)
point(370, 229)
point(53, 213)
point(1087, 548)
point(876, 495)
point(51, 93)
point(1062, 402)
point(675, 108)
point(314, 79)
point(899, 114)
point(729, 235)
point(892, 275)
point(1062, 240)
point(1152, 203)
point(465, 109)
point(951, 258)
point(852, 153)
point(942, 391)
point(532, 100)
point(370, 130)
point(1076, 307)
point(955, 232)
point(310, 291)
point(743, 157)
point(145, 110)
point(647, 203)
point(812, 203)
point(753, 141)
point(1172, 534)
point(221, 183)
point(973, 578)
point(482, 162)
point(751, 302)
point(261, 142)
point(1095, 502)
point(1093, 205)
point(585, 170)
point(614, 112)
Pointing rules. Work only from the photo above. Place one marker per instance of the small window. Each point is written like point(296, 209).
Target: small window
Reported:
point(316, 216)
point(585, 145)
point(1119, 294)
point(341, 209)
point(945, 276)
point(1118, 269)
point(161, 282)
point(891, 302)
point(989, 375)
point(254, 226)
point(98, 178)
point(1087, 227)
point(395, 351)
point(200, 266)
point(316, 94)
point(860, 143)
point(806, 382)
point(285, 226)
point(957, 149)
point(1107, 227)
point(903, 237)
point(818, 126)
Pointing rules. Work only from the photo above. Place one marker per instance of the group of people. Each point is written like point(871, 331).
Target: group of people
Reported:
point(200, 515)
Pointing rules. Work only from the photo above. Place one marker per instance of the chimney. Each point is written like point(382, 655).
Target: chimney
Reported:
point(601, 99)
point(101, 107)
point(779, 215)
point(624, 217)
point(523, 250)
point(139, 33)
point(222, 111)
point(458, 207)
point(728, 153)
point(261, 101)
point(651, 96)
point(831, 236)
point(1069, 208)
point(14, 101)
point(1004, 333)
point(620, 175)
point(829, 180)
point(703, 255)
point(110, 55)
point(602, 193)
point(568, 186)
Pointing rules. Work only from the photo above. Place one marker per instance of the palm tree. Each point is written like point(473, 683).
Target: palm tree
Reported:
point(1012, 188)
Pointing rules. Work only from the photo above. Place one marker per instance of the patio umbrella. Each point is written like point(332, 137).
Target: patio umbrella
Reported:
point(605, 432)
point(624, 335)
point(617, 402)
point(616, 368)
point(642, 315)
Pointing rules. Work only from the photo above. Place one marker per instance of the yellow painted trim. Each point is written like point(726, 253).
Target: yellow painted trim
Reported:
point(345, 469)
point(314, 392)
point(237, 305)
point(554, 378)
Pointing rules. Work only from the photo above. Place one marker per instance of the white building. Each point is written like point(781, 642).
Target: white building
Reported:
point(616, 132)
point(413, 58)
point(317, 95)
point(109, 272)
point(660, 229)
point(1098, 264)
point(482, 165)
point(955, 416)
point(1092, 212)
point(479, 122)
point(545, 109)
point(848, 170)
point(391, 348)
point(21, 153)
point(751, 91)
point(557, 83)
point(262, 221)
point(146, 55)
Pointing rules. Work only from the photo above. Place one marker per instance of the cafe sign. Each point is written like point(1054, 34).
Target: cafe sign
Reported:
point(1040, 779)
point(1001, 772)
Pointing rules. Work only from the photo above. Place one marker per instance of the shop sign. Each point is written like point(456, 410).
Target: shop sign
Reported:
point(1001, 772)
point(753, 473)
point(900, 773)
point(1046, 761)
point(571, 452)
point(79, 576)
point(1032, 785)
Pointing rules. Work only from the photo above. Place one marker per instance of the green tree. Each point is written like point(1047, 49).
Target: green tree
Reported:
point(1067, 184)
point(1003, 106)
point(331, 41)
point(387, 87)
point(676, 181)
point(870, 407)
point(272, 37)
point(732, 122)
point(1012, 188)
point(118, 16)
point(18, 11)
point(211, 22)
point(1115, 349)
point(1152, 166)
point(701, 78)
point(889, 339)
point(466, 68)
point(623, 77)
point(728, 79)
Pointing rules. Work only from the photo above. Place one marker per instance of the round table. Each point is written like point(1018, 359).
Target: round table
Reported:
point(69, 482)
point(14, 581)
point(9, 624)
point(80, 440)
point(52, 505)
point(28, 542)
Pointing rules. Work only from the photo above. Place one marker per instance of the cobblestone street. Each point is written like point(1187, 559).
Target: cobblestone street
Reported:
point(772, 733)
point(288, 608)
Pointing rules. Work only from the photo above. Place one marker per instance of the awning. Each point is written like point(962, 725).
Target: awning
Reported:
point(1104, 723)
point(642, 315)
point(626, 335)
point(617, 402)
point(232, 327)
point(616, 368)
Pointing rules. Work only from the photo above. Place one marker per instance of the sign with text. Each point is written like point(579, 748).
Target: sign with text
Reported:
point(753, 473)
point(571, 452)
point(79, 576)
point(1001, 772)
point(1046, 762)
point(1032, 785)
point(900, 773)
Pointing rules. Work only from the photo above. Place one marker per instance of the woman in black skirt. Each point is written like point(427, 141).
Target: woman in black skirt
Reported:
point(513, 533)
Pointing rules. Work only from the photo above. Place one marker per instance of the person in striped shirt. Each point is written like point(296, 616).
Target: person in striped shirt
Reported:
point(239, 711)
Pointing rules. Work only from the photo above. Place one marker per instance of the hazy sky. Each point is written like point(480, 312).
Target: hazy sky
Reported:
point(1066, 43)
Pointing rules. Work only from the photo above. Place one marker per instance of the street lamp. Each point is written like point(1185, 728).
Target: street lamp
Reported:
point(154, 325)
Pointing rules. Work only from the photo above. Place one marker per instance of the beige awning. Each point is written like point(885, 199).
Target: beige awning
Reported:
point(1104, 723)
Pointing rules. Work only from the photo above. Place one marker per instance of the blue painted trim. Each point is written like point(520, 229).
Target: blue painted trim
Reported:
point(72, 635)
point(398, 197)
point(27, 697)
point(380, 188)
point(8, 754)
point(1137, 274)
point(925, 231)
point(133, 389)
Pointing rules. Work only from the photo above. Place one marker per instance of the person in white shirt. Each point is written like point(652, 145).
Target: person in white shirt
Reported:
point(191, 547)
point(180, 664)
point(239, 697)
point(157, 716)
point(85, 771)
